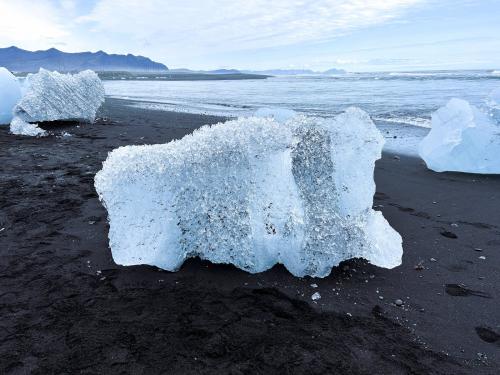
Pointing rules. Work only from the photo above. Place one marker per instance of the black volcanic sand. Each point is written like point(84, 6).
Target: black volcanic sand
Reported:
point(65, 306)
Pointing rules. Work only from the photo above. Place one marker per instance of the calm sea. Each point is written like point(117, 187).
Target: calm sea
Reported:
point(398, 99)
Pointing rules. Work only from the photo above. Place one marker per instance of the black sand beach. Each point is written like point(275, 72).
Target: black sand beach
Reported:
point(66, 308)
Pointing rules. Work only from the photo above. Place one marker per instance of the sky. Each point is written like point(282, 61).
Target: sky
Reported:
point(355, 35)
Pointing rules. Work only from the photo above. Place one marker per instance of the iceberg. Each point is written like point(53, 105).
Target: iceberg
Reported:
point(10, 93)
point(251, 192)
point(52, 96)
point(462, 139)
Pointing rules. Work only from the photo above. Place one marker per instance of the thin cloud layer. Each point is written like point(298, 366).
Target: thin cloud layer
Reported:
point(30, 22)
point(228, 24)
point(260, 34)
point(196, 25)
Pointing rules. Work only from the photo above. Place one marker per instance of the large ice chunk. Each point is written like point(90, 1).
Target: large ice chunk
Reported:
point(251, 192)
point(10, 93)
point(462, 139)
point(51, 96)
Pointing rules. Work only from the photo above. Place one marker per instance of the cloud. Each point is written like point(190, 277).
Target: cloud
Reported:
point(237, 25)
point(261, 33)
point(190, 30)
point(30, 23)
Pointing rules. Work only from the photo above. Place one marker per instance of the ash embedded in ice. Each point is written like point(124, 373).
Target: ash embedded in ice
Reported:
point(51, 96)
point(462, 139)
point(10, 93)
point(251, 192)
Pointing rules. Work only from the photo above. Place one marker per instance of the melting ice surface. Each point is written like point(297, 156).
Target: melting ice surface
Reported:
point(10, 93)
point(463, 139)
point(21, 127)
point(251, 192)
point(278, 114)
point(51, 96)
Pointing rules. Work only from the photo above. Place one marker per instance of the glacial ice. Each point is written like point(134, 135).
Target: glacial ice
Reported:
point(10, 93)
point(462, 139)
point(493, 103)
point(494, 99)
point(251, 192)
point(276, 113)
point(51, 96)
point(20, 127)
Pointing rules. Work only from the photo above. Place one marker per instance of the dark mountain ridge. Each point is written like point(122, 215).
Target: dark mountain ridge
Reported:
point(20, 60)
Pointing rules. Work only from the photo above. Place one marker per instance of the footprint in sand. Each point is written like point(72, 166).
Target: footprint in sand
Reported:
point(402, 208)
point(381, 196)
point(478, 225)
point(448, 234)
point(488, 335)
point(421, 214)
point(457, 290)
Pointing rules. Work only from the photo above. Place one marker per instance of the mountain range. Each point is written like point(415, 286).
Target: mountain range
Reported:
point(20, 60)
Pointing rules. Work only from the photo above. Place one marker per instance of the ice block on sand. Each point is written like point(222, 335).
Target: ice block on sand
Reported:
point(251, 192)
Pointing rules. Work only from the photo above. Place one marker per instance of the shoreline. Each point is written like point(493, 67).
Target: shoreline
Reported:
point(67, 306)
point(401, 138)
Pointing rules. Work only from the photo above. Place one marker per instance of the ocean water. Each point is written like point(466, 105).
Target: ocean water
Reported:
point(401, 104)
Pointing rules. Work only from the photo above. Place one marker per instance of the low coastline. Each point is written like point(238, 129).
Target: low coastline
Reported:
point(70, 308)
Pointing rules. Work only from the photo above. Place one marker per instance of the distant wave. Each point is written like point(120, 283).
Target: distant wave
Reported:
point(215, 109)
point(416, 74)
point(407, 120)
point(429, 74)
point(218, 109)
point(443, 75)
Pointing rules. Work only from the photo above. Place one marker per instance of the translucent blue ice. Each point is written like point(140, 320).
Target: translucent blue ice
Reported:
point(251, 192)
point(50, 96)
point(463, 139)
point(10, 93)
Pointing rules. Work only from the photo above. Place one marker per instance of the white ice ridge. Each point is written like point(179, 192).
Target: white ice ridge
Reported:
point(20, 127)
point(462, 139)
point(494, 99)
point(276, 113)
point(10, 93)
point(51, 96)
point(251, 192)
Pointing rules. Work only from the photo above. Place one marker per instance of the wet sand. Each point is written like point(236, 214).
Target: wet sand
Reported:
point(67, 308)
